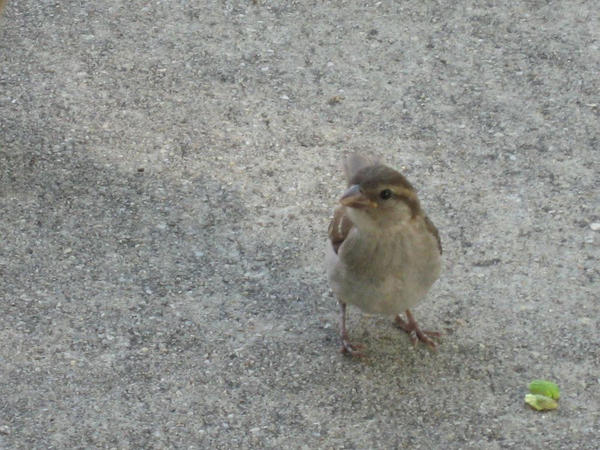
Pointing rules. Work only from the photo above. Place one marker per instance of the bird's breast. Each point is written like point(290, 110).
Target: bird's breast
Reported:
point(385, 274)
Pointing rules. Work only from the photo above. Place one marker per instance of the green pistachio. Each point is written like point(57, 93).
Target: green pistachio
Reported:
point(540, 402)
point(543, 387)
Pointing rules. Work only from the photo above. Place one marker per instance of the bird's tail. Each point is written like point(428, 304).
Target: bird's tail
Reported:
point(356, 161)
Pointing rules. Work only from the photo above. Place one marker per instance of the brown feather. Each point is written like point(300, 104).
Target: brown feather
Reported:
point(433, 230)
point(372, 176)
point(356, 162)
point(339, 227)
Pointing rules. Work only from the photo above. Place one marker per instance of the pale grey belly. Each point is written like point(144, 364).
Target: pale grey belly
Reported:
point(389, 295)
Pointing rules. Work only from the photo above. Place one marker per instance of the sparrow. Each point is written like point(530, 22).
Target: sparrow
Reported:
point(384, 253)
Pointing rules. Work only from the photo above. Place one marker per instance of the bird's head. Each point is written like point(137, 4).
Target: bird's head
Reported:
point(379, 198)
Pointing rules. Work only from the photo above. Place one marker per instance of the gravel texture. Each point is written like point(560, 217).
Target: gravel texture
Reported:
point(167, 173)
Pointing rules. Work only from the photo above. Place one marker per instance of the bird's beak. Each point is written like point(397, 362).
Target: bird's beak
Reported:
point(354, 198)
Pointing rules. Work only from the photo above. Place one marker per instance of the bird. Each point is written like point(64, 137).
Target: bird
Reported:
point(383, 253)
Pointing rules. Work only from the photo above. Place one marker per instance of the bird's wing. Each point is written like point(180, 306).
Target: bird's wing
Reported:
point(433, 230)
point(339, 227)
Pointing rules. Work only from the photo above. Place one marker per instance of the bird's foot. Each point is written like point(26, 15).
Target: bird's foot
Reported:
point(415, 333)
point(350, 349)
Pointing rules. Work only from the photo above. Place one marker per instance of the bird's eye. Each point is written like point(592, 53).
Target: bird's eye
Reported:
point(385, 194)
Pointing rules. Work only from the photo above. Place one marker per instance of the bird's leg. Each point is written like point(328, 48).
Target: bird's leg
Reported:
point(347, 347)
point(415, 332)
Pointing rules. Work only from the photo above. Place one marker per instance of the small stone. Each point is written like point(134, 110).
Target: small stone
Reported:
point(595, 226)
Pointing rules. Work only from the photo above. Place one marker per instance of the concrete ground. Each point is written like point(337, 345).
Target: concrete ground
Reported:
point(167, 172)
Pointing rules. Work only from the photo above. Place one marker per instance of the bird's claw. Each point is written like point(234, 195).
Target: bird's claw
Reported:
point(351, 349)
point(416, 334)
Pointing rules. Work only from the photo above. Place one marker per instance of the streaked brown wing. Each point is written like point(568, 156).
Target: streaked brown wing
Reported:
point(433, 230)
point(339, 227)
